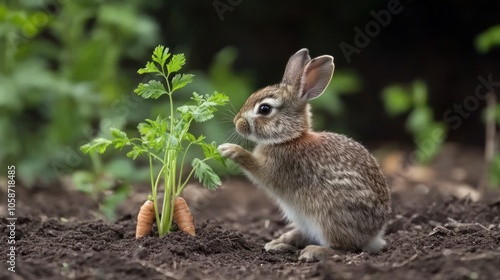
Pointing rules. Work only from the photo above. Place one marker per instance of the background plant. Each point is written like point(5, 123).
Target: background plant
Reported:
point(493, 115)
point(108, 185)
point(413, 100)
point(485, 42)
point(60, 72)
point(488, 39)
point(166, 140)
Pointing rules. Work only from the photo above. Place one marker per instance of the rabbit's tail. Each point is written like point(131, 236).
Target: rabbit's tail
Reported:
point(376, 243)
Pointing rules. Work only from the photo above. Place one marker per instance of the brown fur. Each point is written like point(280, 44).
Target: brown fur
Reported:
point(327, 184)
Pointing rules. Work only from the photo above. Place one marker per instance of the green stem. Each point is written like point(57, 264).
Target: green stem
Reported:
point(166, 196)
point(170, 190)
point(173, 173)
point(169, 180)
point(182, 163)
point(171, 211)
point(153, 190)
point(173, 188)
point(185, 151)
point(158, 178)
point(152, 154)
point(189, 177)
point(171, 114)
point(166, 79)
point(167, 161)
point(170, 162)
point(158, 158)
point(96, 163)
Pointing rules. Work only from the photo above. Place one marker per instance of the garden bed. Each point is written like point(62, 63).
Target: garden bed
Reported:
point(429, 235)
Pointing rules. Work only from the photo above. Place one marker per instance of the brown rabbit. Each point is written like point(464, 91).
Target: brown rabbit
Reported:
point(328, 186)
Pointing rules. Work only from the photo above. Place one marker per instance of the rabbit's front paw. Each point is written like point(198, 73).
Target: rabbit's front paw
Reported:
point(229, 150)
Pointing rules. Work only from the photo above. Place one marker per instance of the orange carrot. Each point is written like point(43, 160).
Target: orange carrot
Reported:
point(183, 217)
point(145, 219)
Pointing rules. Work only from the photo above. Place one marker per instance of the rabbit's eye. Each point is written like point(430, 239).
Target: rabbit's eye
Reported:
point(264, 109)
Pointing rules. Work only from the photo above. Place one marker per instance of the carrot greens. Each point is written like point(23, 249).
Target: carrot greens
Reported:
point(167, 139)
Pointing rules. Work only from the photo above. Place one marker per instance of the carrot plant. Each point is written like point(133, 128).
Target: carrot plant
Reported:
point(166, 140)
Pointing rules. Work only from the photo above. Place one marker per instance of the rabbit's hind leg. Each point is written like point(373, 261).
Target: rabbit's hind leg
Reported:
point(314, 253)
point(290, 241)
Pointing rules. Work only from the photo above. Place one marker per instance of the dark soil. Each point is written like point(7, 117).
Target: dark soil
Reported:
point(430, 236)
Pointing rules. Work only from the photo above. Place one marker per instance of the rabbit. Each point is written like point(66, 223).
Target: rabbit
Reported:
point(328, 186)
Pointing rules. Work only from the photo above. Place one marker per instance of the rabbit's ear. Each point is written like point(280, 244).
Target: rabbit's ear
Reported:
point(295, 65)
point(316, 77)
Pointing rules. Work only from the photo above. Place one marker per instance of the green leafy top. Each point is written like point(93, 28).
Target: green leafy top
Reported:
point(165, 139)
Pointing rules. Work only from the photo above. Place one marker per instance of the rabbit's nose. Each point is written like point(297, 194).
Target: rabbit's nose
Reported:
point(242, 126)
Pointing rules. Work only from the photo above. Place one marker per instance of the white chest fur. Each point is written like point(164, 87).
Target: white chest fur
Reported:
point(307, 225)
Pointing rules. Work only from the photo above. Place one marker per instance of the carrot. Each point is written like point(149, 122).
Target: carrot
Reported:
point(145, 219)
point(183, 217)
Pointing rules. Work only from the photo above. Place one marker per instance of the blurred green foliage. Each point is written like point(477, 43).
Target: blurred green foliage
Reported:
point(237, 85)
point(67, 70)
point(495, 171)
point(488, 39)
point(60, 73)
point(330, 103)
point(427, 133)
point(102, 185)
point(493, 115)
